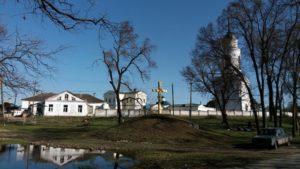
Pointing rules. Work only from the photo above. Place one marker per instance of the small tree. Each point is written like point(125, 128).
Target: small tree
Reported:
point(127, 56)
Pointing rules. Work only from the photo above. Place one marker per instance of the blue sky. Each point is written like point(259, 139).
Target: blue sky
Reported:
point(171, 25)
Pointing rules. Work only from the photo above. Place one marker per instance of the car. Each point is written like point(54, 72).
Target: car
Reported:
point(272, 137)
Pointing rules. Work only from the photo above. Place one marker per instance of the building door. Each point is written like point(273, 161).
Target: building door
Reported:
point(39, 109)
point(90, 110)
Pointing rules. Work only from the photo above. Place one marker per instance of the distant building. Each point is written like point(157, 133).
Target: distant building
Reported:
point(164, 104)
point(63, 104)
point(129, 100)
point(9, 107)
point(195, 107)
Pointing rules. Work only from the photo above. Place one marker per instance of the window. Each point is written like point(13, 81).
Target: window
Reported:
point(66, 97)
point(50, 108)
point(79, 108)
point(62, 160)
point(65, 108)
point(59, 98)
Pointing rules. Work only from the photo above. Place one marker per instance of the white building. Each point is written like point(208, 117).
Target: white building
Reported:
point(129, 100)
point(239, 99)
point(195, 107)
point(63, 104)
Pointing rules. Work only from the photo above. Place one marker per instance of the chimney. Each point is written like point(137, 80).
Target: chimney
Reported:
point(94, 94)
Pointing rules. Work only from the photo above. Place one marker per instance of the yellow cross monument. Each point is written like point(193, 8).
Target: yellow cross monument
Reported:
point(159, 91)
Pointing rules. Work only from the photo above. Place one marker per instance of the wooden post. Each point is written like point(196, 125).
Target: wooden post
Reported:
point(159, 91)
point(190, 112)
point(173, 98)
point(2, 99)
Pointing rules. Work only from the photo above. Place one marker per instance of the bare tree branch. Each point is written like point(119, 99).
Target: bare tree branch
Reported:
point(23, 60)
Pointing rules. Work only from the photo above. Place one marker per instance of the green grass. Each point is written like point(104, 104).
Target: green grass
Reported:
point(156, 142)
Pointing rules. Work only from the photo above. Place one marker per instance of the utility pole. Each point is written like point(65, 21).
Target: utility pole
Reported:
point(190, 112)
point(15, 99)
point(173, 98)
point(2, 99)
point(34, 88)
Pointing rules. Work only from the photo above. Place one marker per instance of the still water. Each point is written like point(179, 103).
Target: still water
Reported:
point(17, 156)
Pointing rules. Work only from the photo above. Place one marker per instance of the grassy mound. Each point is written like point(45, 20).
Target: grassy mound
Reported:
point(159, 129)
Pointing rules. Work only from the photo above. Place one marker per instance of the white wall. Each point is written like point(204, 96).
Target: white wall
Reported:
point(110, 98)
point(72, 108)
point(25, 104)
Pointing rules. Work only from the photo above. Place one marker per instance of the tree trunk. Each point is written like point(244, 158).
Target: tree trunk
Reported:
point(224, 119)
point(294, 94)
point(262, 93)
point(294, 115)
point(263, 109)
point(119, 111)
point(281, 107)
point(252, 100)
point(272, 113)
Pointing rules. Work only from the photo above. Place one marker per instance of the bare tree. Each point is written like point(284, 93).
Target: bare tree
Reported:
point(265, 28)
point(293, 80)
point(127, 56)
point(209, 70)
point(22, 61)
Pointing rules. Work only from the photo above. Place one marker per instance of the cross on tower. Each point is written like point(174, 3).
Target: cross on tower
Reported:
point(159, 91)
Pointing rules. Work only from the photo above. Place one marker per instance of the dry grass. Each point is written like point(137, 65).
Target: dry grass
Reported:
point(156, 141)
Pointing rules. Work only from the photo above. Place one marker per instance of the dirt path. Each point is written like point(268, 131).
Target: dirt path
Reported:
point(291, 161)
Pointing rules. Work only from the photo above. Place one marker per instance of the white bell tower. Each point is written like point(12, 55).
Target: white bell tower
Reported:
point(239, 100)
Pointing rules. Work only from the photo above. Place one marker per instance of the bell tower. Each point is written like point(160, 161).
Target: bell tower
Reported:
point(239, 98)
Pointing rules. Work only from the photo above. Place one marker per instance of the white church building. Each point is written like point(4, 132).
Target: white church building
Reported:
point(63, 104)
point(239, 99)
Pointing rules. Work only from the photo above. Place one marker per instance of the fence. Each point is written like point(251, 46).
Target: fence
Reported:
point(125, 113)
point(198, 113)
point(207, 113)
point(218, 113)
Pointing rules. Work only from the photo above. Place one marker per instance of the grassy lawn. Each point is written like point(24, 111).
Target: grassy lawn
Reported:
point(156, 141)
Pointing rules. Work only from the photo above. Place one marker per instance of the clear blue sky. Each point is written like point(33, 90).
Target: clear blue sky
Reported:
point(171, 25)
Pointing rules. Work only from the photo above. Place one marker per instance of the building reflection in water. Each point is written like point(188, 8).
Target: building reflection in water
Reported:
point(41, 154)
point(60, 156)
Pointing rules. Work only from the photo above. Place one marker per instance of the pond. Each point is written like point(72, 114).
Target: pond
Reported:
point(16, 156)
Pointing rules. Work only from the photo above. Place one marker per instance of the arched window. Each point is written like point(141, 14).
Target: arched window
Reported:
point(66, 97)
